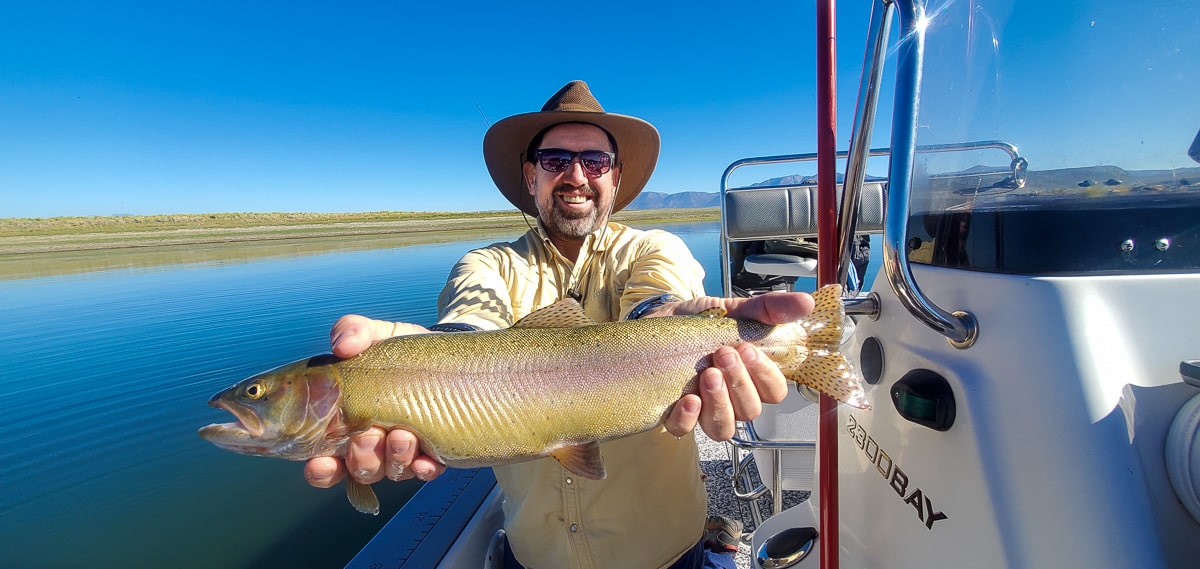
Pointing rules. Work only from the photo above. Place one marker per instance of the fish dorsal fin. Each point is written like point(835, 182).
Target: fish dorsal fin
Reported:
point(714, 312)
point(566, 313)
point(584, 460)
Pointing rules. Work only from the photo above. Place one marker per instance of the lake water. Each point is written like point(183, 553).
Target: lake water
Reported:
point(105, 380)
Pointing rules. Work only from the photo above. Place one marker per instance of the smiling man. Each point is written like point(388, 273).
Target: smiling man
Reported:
point(570, 166)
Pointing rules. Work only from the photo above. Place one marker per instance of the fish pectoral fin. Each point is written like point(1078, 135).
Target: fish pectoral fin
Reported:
point(566, 313)
point(584, 460)
point(362, 497)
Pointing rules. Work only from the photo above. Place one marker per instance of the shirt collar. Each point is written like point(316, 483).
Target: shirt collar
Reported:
point(596, 241)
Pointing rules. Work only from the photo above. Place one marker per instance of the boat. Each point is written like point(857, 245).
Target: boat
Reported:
point(1029, 345)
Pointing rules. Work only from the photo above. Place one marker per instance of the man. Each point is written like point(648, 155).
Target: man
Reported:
point(571, 166)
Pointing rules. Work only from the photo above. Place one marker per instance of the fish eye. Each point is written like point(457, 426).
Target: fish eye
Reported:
point(254, 390)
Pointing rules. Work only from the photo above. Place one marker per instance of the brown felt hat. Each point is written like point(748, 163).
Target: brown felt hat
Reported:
point(505, 143)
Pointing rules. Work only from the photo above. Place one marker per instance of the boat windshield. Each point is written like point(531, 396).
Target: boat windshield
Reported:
point(1097, 106)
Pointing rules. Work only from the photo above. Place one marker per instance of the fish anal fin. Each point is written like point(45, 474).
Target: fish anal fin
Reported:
point(362, 497)
point(583, 460)
point(566, 313)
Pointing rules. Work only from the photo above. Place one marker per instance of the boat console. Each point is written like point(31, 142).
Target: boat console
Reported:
point(1028, 346)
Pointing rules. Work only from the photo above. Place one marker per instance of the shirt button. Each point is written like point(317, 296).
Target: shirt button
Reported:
point(574, 528)
point(569, 480)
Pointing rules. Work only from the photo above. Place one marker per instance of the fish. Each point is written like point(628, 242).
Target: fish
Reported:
point(554, 384)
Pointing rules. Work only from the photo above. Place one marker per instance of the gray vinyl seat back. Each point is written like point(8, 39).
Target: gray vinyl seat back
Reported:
point(757, 212)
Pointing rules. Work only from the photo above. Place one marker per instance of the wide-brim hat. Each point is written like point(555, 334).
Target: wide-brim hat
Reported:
point(505, 144)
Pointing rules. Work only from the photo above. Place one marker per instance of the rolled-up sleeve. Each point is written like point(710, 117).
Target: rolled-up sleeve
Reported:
point(661, 264)
point(477, 292)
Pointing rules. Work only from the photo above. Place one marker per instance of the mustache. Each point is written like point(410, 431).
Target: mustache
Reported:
point(585, 189)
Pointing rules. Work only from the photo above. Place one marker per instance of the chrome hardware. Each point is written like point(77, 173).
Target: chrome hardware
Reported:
point(1127, 245)
point(746, 439)
point(786, 548)
point(959, 327)
point(860, 136)
point(863, 306)
point(1162, 244)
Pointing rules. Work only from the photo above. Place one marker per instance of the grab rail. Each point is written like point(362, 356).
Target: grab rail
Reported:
point(960, 328)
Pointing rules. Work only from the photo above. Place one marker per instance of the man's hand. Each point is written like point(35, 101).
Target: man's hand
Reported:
point(741, 378)
point(373, 454)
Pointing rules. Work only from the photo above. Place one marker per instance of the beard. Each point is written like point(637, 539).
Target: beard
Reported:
point(573, 224)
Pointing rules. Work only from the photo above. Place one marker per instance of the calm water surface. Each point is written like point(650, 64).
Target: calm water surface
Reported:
point(105, 380)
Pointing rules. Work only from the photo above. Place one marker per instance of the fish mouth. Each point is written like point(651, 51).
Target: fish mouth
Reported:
point(247, 422)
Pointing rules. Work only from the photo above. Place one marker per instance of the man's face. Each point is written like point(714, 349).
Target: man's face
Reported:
point(572, 203)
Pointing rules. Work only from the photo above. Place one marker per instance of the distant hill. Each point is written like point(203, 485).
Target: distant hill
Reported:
point(659, 200)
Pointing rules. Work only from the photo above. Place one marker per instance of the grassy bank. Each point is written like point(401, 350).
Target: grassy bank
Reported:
point(32, 248)
point(61, 234)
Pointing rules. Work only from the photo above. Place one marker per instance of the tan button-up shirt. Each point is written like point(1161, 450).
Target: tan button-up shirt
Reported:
point(651, 507)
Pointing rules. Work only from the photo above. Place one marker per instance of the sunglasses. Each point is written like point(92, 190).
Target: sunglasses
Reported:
point(594, 162)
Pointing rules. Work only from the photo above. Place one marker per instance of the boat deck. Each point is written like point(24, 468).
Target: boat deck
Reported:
point(714, 462)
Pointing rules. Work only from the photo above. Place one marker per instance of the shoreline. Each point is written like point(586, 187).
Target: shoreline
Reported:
point(67, 234)
point(67, 246)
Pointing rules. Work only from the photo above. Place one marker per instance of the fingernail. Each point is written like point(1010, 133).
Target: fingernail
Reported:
point(366, 443)
point(713, 383)
point(362, 474)
point(396, 472)
point(424, 475)
point(401, 448)
point(724, 358)
point(749, 355)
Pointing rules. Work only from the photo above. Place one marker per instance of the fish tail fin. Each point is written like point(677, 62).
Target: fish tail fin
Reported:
point(824, 368)
point(825, 325)
point(830, 373)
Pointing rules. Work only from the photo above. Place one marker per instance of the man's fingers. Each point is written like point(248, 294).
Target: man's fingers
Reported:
point(716, 412)
point(324, 472)
point(425, 468)
point(743, 395)
point(683, 416)
point(350, 335)
point(365, 461)
point(773, 308)
point(769, 383)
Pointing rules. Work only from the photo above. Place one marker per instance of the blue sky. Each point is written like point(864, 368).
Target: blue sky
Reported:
point(198, 107)
point(170, 107)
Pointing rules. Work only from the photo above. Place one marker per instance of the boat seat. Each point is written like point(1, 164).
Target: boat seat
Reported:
point(752, 214)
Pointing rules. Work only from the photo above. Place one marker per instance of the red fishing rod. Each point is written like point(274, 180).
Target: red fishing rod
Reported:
point(827, 264)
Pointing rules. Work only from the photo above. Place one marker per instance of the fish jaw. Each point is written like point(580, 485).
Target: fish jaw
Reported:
point(292, 412)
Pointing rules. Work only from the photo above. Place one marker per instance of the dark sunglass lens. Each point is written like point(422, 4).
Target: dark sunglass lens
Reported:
point(595, 162)
point(554, 160)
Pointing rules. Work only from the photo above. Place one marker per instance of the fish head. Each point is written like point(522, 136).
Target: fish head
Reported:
point(290, 412)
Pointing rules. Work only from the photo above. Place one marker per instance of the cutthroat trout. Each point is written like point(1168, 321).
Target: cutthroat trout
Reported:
point(554, 384)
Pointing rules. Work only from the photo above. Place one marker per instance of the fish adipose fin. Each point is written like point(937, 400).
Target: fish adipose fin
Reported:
point(584, 460)
point(566, 313)
point(826, 369)
point(362, 497)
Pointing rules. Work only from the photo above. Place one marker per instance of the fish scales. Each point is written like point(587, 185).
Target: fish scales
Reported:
point(490, 401)
point(555, 384)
